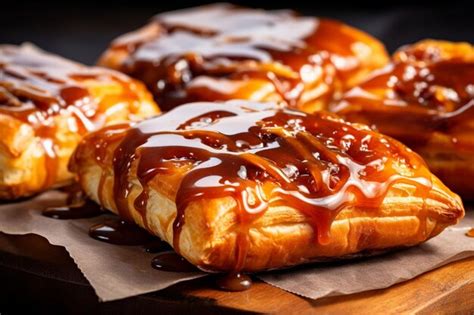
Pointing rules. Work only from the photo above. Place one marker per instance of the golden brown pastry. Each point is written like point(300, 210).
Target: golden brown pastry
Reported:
point(47, 104)
point(252, 186)
point(424, 98)
point(223, 52)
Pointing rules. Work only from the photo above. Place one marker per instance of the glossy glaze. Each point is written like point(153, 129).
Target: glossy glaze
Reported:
point(36, 87)
point(213, 52)
point(119, 232)
point(157, 246)
point(261, 155)
point(234, 282)
point(170, 261)
point(427, 90)
point(86, 209)
point(76, 206)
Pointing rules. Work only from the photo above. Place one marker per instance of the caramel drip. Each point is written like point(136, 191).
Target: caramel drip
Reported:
point(86, 209)
point(234, 282)
point(35, 87)
point(470, 233)
point(77, 206)
point(205, 54)
point(157, 246)
point(262, 155)
point(115, 231)
point(170, 261)
point(108, 136)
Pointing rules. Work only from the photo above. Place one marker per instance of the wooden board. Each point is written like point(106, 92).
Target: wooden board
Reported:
point(34, 271)
point(448, 290)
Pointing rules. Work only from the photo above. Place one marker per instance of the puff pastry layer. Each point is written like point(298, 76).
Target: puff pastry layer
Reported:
point(47, 104)
point(223, 52)
point(424, 98)
point(246, 186)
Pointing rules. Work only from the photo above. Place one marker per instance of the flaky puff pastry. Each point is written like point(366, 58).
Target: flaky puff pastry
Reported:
point(47, 104)
point(424, 98)
point(223, 52)
point(245, 186)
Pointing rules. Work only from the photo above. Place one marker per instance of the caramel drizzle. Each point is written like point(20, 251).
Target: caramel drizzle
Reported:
point(411, 99)
point(36, 86)
point(261, 156)
point(192, 50)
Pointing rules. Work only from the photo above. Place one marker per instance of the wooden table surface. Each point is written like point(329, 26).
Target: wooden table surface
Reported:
point(38, 277)
point(449, 289)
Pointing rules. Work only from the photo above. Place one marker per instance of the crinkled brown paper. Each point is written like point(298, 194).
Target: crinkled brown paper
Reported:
point(117, 272)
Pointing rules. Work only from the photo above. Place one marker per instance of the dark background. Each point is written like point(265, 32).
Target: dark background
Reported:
point(82, 30)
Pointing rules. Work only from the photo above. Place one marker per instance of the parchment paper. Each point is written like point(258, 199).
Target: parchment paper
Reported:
point(380, 272)
point(114, 271)
point(117, 272)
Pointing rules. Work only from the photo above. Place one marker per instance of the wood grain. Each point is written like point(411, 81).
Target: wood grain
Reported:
point(447, 290)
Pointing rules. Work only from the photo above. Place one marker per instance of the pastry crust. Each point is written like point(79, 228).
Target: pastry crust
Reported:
point(424, 98)
point(280, 236)
point(40, 127)
point(223, 52)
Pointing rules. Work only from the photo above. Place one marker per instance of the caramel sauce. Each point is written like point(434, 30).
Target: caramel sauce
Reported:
point(470, 233)
point(234, 282)
point(119, 232)
point(157, 246)
point(211, 53)
point(35, 87)
point(419, 94)
point(261, 155)
point(75, 195)
point(86, 209)
point(170, 261)
point(77, 206)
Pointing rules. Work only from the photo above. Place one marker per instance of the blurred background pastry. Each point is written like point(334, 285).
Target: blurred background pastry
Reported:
point(47, 104)
point(424, 98)
point(221, 52)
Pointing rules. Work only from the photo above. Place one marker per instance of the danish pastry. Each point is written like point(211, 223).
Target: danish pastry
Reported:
point(254, 186)
point(223, 52)
point(424, 98)
point(47, 104)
